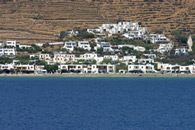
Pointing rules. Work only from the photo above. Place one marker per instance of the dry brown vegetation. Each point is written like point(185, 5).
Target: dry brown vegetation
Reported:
point(30, 21)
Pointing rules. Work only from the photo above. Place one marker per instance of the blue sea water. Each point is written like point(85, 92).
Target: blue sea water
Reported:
point(97, 103)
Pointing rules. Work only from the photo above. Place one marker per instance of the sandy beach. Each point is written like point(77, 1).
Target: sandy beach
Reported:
point(97, 75)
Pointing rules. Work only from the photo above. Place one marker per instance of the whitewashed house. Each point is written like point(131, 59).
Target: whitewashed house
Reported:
point(7, 51)
point(104, 68)
point(164, 48)
point(6, 66)
point(167, 67)
point(112, 57)
point(144, 61)
point(25, 46)
point(70, 45)
point(129, 58)
point(84, 44)
point(158, 38)
point(148, 68)
point(64, 58)
point(40, 69)
point(181, 51)
point(12, 43)
point(25, 67)
point(2, 44)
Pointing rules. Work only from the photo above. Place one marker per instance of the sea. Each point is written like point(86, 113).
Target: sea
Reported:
point(59, 103)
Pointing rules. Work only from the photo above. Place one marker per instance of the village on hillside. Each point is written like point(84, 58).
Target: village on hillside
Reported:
point(124, 47)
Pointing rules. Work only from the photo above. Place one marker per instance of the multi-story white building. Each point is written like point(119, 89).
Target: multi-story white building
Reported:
point(64, 58)
point(88, 56)
point(121, 27)
point(104, 68)
point(158, 38)
point(135, 35)
point(167, 67)
point(7, 51)
point(70, 45)
point(148, 68)
point(11, 43)
point(84, 44)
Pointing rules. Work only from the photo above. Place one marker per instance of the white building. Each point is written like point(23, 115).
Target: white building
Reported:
point(181, 51)
point(25, 46)
point(25, 67)
point(112, 57)
point(129, 58)
point(11, 43)
point(167, 67)
point(106, 68)
point(135, 34)
point(148, 68)
point(64, 58)
point(70, 45)
point(158, 38)
point(45, 57)
point(144, 61)
point(2, 44)
point(121, 27)
point(88, 56)
point(139, 48)
point(7, 51)
point(187, 69)
point(6, 66)
point(84, 44)
point(164, 48)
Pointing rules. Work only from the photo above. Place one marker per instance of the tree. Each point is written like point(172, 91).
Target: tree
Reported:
point(180, 37)
point(63, 34)
point(51, 68)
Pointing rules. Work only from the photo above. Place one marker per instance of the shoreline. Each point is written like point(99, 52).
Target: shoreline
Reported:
point(99, 75)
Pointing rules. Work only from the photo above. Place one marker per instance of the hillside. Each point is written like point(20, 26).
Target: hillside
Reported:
point(30, 21)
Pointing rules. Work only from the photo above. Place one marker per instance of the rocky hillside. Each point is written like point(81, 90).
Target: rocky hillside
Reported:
point(30, 21)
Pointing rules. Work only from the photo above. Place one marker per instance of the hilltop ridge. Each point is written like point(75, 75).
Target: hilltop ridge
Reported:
point(38, 20)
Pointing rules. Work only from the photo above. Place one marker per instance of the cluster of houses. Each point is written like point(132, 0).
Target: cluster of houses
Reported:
point(91, 62)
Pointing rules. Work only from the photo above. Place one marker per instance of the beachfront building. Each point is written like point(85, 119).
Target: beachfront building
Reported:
point(23, 67)
point(7, 51)
point(6, 66)
point(70, 45)
point(40, 69)
point(84, 44)
point(167, 68)
point(103, 68)
point(148, 68)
